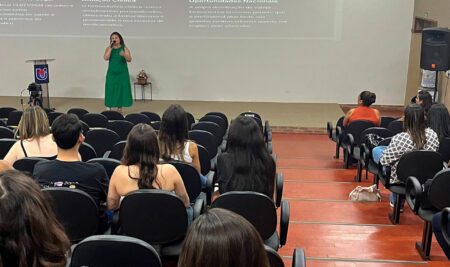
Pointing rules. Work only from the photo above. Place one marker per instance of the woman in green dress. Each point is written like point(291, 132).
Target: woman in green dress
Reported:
point(117, 87)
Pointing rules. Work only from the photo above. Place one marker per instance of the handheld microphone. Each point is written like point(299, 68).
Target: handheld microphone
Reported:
point(112, 44)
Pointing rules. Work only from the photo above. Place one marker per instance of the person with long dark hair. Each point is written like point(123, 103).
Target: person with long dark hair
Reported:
point(117, 86)
point(363, 111)
point(425, 100)
point(439, 120)
point(174, 143)
point(140, 169)
point(222, 238)
point(30, 235)
point(246, 165)
point(416, 135)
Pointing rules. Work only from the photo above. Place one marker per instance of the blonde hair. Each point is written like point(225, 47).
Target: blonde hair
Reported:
point(33, 124)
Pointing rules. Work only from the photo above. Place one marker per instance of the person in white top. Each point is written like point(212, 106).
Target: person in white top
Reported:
point(173, 139)
point(35, 138)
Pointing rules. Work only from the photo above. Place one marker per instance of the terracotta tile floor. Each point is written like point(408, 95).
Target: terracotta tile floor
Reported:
point(332, 230)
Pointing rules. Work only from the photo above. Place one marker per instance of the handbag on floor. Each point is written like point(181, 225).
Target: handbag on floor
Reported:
point(363, 194)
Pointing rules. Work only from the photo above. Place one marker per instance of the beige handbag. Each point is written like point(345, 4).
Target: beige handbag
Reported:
point(370, 193)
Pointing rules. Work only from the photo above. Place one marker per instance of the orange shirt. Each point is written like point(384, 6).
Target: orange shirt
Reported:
point(364, 113)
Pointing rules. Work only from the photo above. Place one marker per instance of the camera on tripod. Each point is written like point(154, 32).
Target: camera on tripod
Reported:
point(35, 91)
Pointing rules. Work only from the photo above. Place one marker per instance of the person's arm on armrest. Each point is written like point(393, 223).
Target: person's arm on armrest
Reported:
point(113, 199)
point(170, 171)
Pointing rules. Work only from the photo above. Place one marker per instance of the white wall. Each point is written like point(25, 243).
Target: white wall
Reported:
point(369, 50)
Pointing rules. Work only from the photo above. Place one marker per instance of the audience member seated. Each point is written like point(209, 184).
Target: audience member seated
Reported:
point(68, 171)
point(439, 120)
point(437, 229)
point(363, 111)
point(222, 238)
point(140, 169)
point(415, 136)
point(246, 165)
point(425, 100)
point(173, 139)
point(29, 232)
point(35, 137)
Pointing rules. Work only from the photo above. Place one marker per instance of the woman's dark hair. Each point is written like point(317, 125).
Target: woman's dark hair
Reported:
point(414, 124)
point(222, 238)
point(367, 98)
point(30, 235)
point(173, 132)
point(142, 150)
point(252, 167)
point(438, 119)
point(426, 99)
point(122, 42)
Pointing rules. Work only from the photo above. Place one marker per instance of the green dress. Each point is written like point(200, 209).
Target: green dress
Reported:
point(118, 87)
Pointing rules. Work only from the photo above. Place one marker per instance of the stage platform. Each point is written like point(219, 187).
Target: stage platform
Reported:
point(283, 117)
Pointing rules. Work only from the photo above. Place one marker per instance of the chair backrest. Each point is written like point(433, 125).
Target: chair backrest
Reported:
point(6, 132)
point(380, 131)
point(101, 140)
point(84, 127)
point(5, 146)
point(216, 119)
point(156, 125)
point(27, 164)
point(77, 111)
point(274, 259)
point(152, 115)
point(220, 114)
point(52, 116)
point(113, 115)
point(385, 120)
point(340, 122)
point(255, 116)
point(191, 119)
point(257, 208)
point(14, 117)
point(444, 148)
point(95, 120)
point(114, 250)
point(117, 150)
point(136, 118)
point(422, 164)
point(206, 139)
point(109, 164)
point(4, 112)
point(75, 210)
point(191, 179)
point(395, 126)
point(87, 152)
point(204, 158)
point(439, 190)
point(121, 127)
point(211, 127)
point(356, 128)
point(155, 216)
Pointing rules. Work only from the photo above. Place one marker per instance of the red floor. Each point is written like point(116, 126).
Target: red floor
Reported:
point(332, 230)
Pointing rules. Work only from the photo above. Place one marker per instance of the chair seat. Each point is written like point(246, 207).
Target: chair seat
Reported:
point(273, 241)
point(398, 189)
point(427, 214)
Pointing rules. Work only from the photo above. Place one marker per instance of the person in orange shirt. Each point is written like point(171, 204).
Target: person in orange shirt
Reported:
point(363, 111)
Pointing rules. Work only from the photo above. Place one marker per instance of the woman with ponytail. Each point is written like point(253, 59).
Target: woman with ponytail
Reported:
point(140, 169)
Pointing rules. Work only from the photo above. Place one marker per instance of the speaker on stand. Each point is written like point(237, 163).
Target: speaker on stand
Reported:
point(435, 52)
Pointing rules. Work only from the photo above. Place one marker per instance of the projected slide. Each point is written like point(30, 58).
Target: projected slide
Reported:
point(170, 18)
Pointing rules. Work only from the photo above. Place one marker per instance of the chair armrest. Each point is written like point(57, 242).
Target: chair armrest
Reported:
point(284, 222)
point(209, 187)
point(444, 224)
point(269, 147)
point(329, 129)
point(351, 143)
point(298, 259)
point(115, 223)
point(269, 136)
point(338, 134)
point(364, 154)
point(385, 172)
point(198, 207)
point(106, 155)
point(279, 189)
point(274, 156)
point(413, 193)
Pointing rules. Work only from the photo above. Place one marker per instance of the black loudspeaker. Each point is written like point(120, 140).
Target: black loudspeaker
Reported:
point(435, 49)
